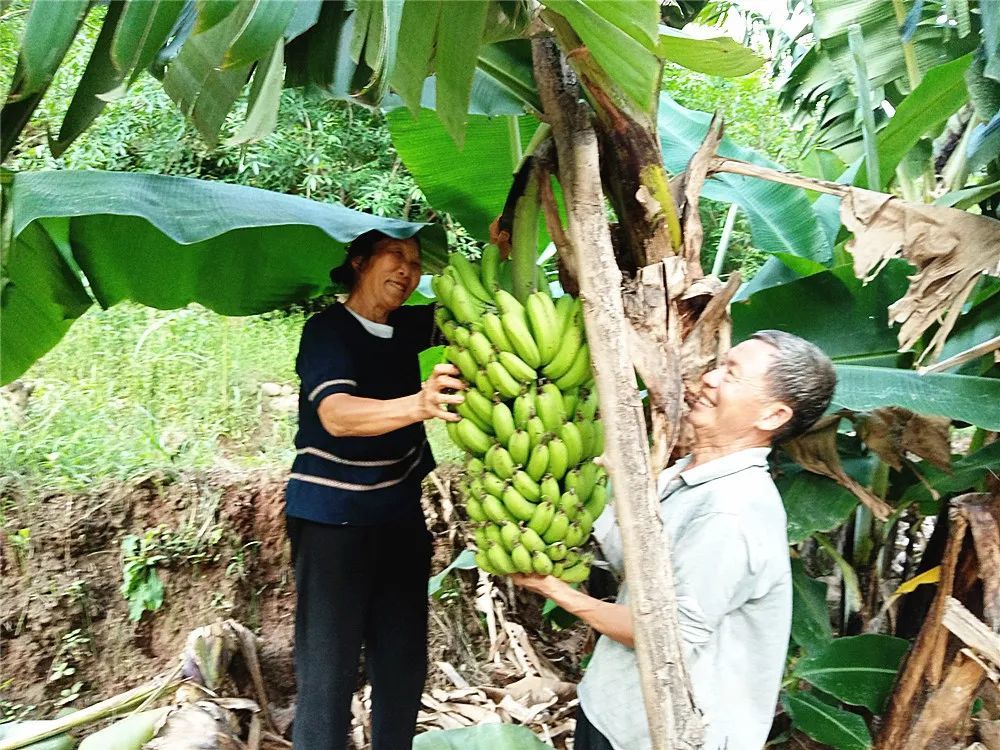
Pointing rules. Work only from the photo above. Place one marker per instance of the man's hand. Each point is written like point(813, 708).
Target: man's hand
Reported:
point(613, 620)
point(548, 586)
point(432, 398)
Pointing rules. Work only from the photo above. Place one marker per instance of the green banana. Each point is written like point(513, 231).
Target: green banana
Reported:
point(526, 486)
point(492, 485)
point(481, 406)
point(468, 276)
point(492, 532)
point(502, 464)
point(462, 335)
point(557, 529)
point(494, 331)
point(574, 535)
point(572, 557)
point(557, 569)
point(476, 487)
point(516, 328)
point(510, 535)
point(475, 439)
point(578, 373)
point(549, 488)
point(442, 286)
point(531, 540)
point(586, 429)
point(598, 501)
point(475, 509)
point(524, 409)
point(483, 562)
point(474, 467)
point(538, 462)
point(541, 564)
point(541, 313)
point(507, 302)
point(441, 314)
point(586, 522)
point(570, 504)
point(496, 510)
point(549, 407)
point(465, 307)
point(557, 551)
point(536, 432)
point(517, 505)
point(564, 311)
point(582, 480)
point(500, 560)
point(489, 268)
point(481, 348)
point(576, 573)
point(479, 534)
point(463, 360)
point(570, 435)
point(452, 430)
point(570, 399)
point(520, 447)
point(506, 385)
point(597, 447)
point(488, 456)
point(558, 458)
point(503, 422)
point(541, 519)
point(522, 559)
point(569, 346)
point(484, 385)
point(467, 412)
point(587, 407)
point(517, 367)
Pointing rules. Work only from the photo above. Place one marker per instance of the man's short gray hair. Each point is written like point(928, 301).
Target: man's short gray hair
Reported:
point(801, 376)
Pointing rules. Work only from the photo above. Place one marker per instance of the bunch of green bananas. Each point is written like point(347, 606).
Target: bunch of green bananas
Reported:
point(529, 422)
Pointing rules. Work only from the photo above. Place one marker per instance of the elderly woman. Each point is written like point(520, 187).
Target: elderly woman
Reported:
point(359, 544)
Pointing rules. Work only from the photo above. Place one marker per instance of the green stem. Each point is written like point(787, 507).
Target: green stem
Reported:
point(857, 45)
point(524, 240)
point(852, 589)
point(727, 234)
point(909, 51)
point(514, 139)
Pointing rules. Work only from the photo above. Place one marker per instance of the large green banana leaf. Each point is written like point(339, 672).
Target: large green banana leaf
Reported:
point(207, 52)
point(165, 242)
point(848, 321)
point(826, 72)
point(470, 183)
point(781, 217)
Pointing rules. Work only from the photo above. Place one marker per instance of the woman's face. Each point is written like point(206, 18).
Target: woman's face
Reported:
point(389, 275)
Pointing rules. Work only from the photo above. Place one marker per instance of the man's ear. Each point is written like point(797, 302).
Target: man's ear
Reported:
point(776, 415)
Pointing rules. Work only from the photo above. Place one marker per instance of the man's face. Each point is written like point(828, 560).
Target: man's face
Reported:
point(389, 276)
point(734, 402)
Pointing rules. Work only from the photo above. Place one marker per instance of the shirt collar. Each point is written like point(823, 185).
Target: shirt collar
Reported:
point(725, 465)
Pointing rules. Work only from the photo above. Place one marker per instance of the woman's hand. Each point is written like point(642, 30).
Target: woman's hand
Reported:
point(432, 399)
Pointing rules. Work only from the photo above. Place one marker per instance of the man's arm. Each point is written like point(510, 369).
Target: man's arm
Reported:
point(342, 414)
point(612, 620)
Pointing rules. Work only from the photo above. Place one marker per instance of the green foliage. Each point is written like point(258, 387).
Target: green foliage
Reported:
point(142, 586)
point(859, 670)
point(482, 737)
point(825, 722)
point(182, 389)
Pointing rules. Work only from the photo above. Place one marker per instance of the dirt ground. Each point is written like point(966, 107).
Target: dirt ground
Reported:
point(225, 556)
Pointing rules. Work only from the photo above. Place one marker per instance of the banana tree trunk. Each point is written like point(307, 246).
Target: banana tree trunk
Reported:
point(673, 720)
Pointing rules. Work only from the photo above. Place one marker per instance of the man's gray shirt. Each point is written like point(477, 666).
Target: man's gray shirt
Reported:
point(729, 546)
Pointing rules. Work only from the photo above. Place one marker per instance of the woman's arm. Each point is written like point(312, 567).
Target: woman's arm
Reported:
point(612, 620)
point(343, 415)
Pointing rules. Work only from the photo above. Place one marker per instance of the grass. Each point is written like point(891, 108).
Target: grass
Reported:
point(131, 390)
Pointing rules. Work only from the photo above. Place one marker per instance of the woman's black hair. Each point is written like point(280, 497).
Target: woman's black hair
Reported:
point(362, 246)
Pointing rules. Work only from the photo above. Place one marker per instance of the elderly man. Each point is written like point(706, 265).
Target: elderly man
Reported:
point(726, 526)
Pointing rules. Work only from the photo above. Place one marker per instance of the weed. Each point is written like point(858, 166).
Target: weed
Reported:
point(20, 542)
point(142, 586)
